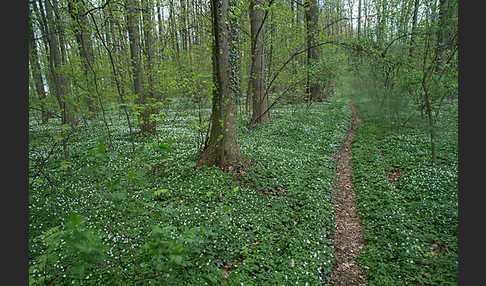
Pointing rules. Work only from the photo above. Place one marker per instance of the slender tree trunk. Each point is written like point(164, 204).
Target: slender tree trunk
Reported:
point(351, 5)
point(414, 24)
point(161, 40)
point(59, 80)
point(85, 46)
point(313, 53)
point(365, 19)
point(133, 9)
point(183, 21)
point(428, 111)
point(134, 38)
point(116, 68)
point(222, 149)
point(149, 125)
point(39, 11)
point(257, 74)
point(172, 26)
point(36, 73)
point(442, 33)
point(359, 19)
point(426, 97)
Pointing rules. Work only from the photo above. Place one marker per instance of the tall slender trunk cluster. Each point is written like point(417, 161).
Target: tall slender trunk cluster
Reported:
point(147, 125)
point(85, 46)
point(56, 55)
point(36, 72)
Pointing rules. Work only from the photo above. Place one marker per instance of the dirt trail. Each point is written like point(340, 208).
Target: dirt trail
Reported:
point(348, 236)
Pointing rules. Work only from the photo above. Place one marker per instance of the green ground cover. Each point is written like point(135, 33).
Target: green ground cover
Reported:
point(411, 224)
point(150, 218)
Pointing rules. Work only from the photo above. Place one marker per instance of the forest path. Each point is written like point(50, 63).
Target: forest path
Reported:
point(348, 236)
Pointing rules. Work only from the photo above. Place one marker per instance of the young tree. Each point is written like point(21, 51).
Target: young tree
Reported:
point(222, 149)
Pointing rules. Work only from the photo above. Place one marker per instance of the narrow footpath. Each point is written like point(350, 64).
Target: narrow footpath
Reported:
point(348, 236)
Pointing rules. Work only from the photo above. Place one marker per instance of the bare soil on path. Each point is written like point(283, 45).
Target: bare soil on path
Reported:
point(348, 236)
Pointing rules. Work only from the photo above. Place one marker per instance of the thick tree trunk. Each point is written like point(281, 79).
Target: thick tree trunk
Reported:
point(257, 73)
point(222, 149)
point(313, 53)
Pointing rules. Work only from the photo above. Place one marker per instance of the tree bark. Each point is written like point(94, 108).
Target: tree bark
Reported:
point(183, 21)
point(150, 126)
point(442, 33)
point(85, 46)
point(257, 73)
point(313, 52)
point(135, 60)
point(413, 31)
point(359, 19)
point(173, 30)
point(59, 79)
point(36, 72)
point(222, 149)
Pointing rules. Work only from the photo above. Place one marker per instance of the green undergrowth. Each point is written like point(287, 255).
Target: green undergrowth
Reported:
point(149, 217)
point(407, 206)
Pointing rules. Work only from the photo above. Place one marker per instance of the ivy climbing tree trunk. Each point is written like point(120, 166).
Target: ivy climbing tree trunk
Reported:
point(313, 52)
point(222, 149)
point(257, 74)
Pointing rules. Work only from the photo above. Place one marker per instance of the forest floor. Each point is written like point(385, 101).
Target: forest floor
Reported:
point(151, 216)
point(348, 236)
point(148, 215)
